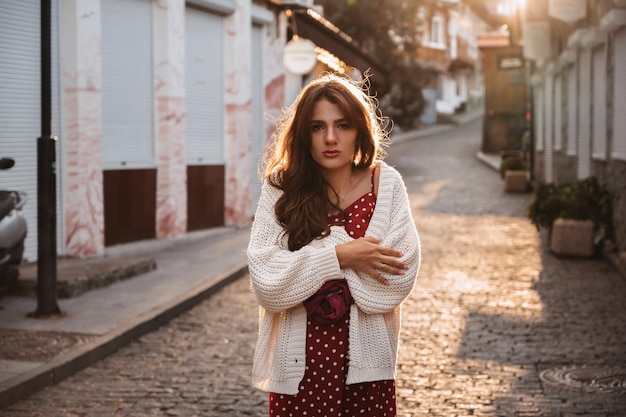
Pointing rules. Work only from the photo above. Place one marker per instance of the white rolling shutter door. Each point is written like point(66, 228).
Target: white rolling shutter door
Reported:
point(558, 113)
point(572, 105)
point(55, 76)
point(539, 112)
point(599, 104)
point(584, 114)
point(619, 96)
point(127, 84)
point(204, 75)
point(548, 138)
point(20, 104)
point(258, 111)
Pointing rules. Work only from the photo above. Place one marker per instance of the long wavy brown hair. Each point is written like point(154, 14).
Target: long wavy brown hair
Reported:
point(302, 208)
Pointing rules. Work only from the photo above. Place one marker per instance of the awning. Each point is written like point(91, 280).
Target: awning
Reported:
point(310, 25)
point(460, 64)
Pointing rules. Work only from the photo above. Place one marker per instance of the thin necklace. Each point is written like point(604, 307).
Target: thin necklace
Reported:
point(345, 194)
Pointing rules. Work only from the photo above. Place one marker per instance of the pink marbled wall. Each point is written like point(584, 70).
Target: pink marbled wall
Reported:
point(274, 77)
point(238, 198)
point(171, 201)
point(82, 139)
point(169, 47)
point(274, 99)
point(84, 215)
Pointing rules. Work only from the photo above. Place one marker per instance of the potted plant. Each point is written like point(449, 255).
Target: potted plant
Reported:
point(577, 215)
point(513, 170)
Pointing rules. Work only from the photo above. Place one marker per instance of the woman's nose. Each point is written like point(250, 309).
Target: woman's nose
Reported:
point(331, 135)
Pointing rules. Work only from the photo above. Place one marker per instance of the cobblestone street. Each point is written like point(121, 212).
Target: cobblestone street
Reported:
point(496, 326)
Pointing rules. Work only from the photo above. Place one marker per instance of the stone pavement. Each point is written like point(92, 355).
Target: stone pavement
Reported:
point(35, 353)
point(496, 326)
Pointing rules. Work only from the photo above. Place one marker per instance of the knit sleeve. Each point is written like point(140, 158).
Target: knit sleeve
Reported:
point(393, 224)
point(399, 233)
point(281, 279)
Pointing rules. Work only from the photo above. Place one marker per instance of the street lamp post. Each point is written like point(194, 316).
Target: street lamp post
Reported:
point(46, 184)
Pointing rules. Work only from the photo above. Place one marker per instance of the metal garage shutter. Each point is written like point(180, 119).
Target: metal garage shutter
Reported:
point(204, 89)
point(558, 113)
point(539, 111)
point(599, 104)
point(20, 98)
point(572, 117)
point(548, 138)
point(258, 111)
point(127, 84)
point(584, 114)
point(619, 96)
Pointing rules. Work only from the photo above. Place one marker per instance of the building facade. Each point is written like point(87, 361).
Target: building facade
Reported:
point(162, 110)
point(159, 108)
point(450, 57)
point(578, 77)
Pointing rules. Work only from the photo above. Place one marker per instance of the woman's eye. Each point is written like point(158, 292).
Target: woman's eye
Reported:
point(344, 126)
point(316, 128)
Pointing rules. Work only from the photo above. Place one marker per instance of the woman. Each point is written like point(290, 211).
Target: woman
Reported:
point(332, 255)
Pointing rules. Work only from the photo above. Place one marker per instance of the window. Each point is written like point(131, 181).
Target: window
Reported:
point(436, 30)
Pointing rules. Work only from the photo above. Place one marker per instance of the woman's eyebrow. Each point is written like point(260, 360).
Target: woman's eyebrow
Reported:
point(342, 120)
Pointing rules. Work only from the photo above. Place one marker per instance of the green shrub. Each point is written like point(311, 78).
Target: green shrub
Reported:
point(576, 200)
point(516, 163)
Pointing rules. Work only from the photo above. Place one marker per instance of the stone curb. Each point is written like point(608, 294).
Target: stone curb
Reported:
point(64, 365)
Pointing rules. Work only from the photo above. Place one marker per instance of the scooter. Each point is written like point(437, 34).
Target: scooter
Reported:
point(12, 230)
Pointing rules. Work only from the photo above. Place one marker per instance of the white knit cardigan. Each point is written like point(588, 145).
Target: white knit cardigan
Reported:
point(281, 280)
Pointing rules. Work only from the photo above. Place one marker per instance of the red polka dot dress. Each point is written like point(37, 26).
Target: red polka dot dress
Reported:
point(323, 391)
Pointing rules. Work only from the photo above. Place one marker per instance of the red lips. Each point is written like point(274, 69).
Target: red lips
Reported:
point(331, 154)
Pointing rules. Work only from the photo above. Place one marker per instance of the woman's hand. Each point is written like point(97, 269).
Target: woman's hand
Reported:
point(366, 255)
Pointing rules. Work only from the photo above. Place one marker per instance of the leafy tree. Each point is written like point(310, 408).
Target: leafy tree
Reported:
point(389, 31)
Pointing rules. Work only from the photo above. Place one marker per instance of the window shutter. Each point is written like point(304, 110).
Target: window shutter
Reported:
point(548, 138)
point(558, 113)
point(584, 114)
point(539, 112)
point(204, 89)
point(572, 117)
point(20, 104)
point(127, 84)
point(599, 104)
point(619, 96)
point(258, 112)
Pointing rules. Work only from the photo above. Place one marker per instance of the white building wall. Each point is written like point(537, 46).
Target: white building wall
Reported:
point(78, 112)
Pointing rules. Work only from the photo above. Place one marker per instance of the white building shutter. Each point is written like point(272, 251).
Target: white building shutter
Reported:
point(584, 114)
point(619, 96)
point(548, 124)
point(599, 104)
point(127, 84)
point(572, 106)
point(539, 119)
point(55, 76)
point(204, 88)
point(20, 104)
point(558, 113)
point(258, 111)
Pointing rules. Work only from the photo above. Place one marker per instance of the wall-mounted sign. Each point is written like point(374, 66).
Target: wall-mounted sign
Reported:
point(567, 10)
point(299, 56)
point(537, 40)
point(510, 62)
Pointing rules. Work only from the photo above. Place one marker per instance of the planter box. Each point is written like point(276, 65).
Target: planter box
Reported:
point(572, 238)
point(515, 181)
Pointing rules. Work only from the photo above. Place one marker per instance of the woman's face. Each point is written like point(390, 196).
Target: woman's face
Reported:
point(333, 138)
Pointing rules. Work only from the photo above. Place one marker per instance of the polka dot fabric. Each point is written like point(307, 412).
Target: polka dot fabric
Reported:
point(323, 391)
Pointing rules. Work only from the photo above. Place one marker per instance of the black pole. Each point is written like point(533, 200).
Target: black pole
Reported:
point(46, 184)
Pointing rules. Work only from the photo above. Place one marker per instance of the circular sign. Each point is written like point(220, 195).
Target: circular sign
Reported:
point(299, 56)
